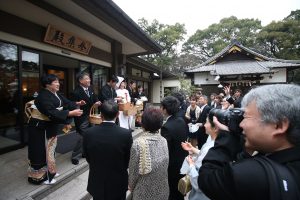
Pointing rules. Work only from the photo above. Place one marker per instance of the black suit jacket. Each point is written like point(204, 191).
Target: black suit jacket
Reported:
point(202, 136)
point(107, 93)
point(107, 150)
point(79, 94)
point(175, 130)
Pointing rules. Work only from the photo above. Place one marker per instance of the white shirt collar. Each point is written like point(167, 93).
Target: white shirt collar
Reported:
point(85, 88)
point(109, 121)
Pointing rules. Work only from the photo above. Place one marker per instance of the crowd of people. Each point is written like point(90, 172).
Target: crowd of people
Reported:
point(182, 137)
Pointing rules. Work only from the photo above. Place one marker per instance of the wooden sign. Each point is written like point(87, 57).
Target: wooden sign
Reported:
point(66, 40)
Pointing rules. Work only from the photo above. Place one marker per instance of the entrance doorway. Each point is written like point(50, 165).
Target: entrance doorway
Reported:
point(61, 74)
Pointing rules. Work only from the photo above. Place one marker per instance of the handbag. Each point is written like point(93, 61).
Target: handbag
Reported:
point(184, 185)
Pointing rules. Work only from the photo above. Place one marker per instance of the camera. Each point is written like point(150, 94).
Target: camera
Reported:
point(231, 118)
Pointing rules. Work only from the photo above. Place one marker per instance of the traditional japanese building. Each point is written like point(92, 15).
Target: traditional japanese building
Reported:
point(63, 38)
point(242, 68)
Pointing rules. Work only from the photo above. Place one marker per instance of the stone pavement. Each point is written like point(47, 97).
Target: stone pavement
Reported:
point(71, 184)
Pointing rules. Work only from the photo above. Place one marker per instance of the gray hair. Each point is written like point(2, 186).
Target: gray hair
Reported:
point(204, 97)
point(277, 102)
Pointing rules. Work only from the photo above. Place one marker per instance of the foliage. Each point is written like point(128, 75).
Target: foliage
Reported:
point(208, 42)
point(168, 36)
point(186, 87)
point(278, 39)
point(282, 39)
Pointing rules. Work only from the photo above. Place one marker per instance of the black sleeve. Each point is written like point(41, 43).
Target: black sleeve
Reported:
point(127, 153)
point(166, 134)
point(215, 173)
point(105, 93)
point(70, 105)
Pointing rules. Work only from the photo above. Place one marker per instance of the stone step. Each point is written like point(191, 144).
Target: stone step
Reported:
point(67, 171)
point(71, 184)
point(74, 189)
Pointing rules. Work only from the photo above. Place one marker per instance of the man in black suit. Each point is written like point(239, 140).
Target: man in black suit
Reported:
point(175, 130)
point(201, 134)
point(107, 150)
point(84, 92)
point(108, 91)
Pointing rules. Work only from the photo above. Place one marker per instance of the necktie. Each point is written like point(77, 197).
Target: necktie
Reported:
point(87, 92)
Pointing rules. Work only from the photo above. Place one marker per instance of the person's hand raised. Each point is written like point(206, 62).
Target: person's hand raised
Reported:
point(227, 90)
point(186, 146)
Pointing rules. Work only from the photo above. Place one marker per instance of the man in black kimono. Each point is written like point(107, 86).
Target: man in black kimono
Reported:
point(85, 92)
point(108, 91)
point(271, 126)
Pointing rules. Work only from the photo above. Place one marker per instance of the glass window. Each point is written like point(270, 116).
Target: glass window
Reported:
point(99, 77)
point(146, 88)
point(136, 72)
point(9, 99)
point(30, 75)
point(293, 76)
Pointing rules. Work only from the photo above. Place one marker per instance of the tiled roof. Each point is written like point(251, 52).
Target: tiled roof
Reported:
point(242, 66)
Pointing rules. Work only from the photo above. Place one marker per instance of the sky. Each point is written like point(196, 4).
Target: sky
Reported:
point(199, 14)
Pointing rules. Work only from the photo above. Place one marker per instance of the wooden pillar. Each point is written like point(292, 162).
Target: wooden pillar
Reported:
point(118, 59)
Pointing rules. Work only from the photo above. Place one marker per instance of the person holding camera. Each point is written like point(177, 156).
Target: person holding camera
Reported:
point(271, 126)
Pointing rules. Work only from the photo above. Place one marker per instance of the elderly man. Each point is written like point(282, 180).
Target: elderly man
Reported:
point(271, 126)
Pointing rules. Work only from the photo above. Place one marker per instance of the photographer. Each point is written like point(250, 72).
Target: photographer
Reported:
point(271, 126)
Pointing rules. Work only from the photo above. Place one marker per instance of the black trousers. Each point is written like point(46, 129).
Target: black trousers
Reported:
point(80, 128)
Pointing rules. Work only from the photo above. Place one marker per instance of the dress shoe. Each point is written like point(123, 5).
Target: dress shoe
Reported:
point(50, 183)
point(75, 161)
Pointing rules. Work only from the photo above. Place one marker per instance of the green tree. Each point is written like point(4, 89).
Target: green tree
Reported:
point(206, 43)
point(168, 36)
point(282, 39)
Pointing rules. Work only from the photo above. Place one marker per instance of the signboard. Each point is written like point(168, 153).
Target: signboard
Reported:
point(66, 40)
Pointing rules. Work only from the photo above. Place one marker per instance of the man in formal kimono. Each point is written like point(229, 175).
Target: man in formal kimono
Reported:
point(85, 92)
point(107, 150)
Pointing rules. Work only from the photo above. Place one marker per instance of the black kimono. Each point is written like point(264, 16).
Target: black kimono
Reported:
point(42, 138)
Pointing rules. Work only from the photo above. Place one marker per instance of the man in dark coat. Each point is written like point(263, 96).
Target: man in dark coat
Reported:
point(201, 134)
point(175, 130)
point(107, 150)
point(85, 92)
point(108, 91)
point(271, 126)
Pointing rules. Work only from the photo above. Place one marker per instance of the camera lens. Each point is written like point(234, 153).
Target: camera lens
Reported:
point(222, 115)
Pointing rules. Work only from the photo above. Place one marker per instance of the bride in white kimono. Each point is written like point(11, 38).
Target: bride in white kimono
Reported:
point(124, 94)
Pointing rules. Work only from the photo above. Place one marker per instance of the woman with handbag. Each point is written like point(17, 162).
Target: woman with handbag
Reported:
point(194, 161)
point(49, 110)
point(149, 160)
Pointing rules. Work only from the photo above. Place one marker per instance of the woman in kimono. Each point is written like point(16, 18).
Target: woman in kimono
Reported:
point(49, 110)
point(123, 94)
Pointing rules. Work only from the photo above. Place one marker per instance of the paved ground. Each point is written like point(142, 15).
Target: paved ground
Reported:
point(13, 177)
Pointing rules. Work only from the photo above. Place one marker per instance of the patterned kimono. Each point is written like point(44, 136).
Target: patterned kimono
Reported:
point(42, 133)
point(148, 167)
